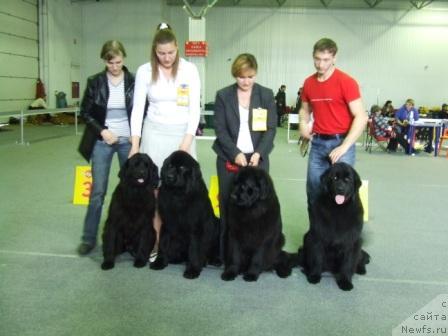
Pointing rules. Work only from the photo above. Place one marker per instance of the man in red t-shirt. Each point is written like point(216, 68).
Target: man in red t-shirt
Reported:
point(334, 99)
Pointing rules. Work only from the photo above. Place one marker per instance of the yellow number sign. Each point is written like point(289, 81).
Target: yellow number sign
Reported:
point(213, 194)
point(364, 195)
point(83, 185)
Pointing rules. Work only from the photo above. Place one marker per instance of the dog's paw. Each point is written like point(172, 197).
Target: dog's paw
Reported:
point(107, 265)
point(361, 269)
point(158, 264)
point(139, 263)
point(344, 284)
point(283, 271)
point(250, 277)
point(228, 276)
point(191, 274)
point(313, 278)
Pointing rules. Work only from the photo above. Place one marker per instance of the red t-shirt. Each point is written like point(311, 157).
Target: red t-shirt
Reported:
point(329, 100)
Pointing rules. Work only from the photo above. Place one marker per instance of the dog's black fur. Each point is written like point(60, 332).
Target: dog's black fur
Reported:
point(254, 238)
point(333, 242)
point(129, 226)
point(190, 230)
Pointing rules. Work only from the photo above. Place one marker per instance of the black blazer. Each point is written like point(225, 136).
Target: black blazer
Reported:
point(94, 108)
point(227, 122)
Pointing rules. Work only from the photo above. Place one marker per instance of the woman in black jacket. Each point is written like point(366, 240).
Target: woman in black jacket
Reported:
point(106, 108)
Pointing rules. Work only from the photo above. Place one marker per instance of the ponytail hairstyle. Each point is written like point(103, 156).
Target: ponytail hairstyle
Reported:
point(164, 34)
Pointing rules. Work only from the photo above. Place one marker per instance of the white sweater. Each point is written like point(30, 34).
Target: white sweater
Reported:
point(163, 96)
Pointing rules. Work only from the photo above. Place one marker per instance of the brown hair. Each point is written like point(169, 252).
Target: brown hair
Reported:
point(325, 44)
point(374, 109)
point(111, 49)
point(164, 34)
point(242, 63)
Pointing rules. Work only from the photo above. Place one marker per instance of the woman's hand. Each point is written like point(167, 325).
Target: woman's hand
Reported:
point(133, 151)
point(109, 137)
point(240, 160)
point(135, 145)
point(254, 159)
point(186, 143)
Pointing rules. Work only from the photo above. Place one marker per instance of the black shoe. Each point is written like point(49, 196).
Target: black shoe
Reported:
point(85, 248)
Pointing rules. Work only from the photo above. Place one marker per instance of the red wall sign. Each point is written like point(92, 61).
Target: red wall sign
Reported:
point(196, 48)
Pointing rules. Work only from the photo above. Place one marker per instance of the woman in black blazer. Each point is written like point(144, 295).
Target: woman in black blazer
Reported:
point(245, 122)
point(106, 108)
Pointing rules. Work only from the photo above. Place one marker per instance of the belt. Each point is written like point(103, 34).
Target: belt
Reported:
point(329, 136)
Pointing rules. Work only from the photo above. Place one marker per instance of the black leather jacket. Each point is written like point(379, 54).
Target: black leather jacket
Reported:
point(94, 108)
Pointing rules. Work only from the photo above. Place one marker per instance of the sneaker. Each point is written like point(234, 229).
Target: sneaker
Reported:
point(85, 248)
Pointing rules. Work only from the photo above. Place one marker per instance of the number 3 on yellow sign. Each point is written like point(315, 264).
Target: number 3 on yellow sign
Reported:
point(83, 185)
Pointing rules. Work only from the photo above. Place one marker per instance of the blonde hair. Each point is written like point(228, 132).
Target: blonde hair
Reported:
point(242, 63)
point(164, 35)
point(410, 101)
point(111, 49)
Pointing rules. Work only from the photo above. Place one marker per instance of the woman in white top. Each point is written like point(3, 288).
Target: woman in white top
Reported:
point(172, 87)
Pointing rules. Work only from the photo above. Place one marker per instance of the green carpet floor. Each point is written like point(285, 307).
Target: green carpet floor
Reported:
point(46, 289)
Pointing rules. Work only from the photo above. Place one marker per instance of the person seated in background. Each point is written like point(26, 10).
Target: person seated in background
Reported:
point(404, 116)
point(388, 110)
point(429, 133)
point(381, 127)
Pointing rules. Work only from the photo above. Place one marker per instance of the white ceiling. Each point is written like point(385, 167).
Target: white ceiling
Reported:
point(332, 4)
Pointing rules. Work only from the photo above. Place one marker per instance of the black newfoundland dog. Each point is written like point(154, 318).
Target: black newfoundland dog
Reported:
point(254, 238)
point(129, 226)
point(333, 242)
point(190, 230)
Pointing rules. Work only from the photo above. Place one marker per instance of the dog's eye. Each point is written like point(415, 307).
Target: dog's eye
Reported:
point(335, 178)
point(347, 179)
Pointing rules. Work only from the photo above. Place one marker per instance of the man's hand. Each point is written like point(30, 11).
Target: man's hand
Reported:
point(337, 153)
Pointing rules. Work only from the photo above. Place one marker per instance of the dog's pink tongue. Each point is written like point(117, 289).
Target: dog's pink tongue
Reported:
point(340, 199)
point(140, 180)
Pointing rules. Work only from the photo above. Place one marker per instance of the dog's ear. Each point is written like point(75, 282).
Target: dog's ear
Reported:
point(357, 179)
point(265, 186)
point(196, 172)
point(122, 172)
point(154, 174)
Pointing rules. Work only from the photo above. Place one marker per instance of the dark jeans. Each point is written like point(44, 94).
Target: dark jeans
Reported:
point(101, 162)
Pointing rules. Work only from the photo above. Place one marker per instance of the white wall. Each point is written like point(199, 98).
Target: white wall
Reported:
point(133, 23)
point(393, 55)
point(62, 43)
point(18, 54)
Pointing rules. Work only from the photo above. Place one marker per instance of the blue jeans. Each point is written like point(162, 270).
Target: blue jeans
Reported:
point(101, 162)
point(318, 162)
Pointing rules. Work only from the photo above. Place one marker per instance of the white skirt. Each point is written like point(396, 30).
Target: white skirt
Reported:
point(160, 140)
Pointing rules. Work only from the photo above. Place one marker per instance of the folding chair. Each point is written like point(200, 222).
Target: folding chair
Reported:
point(381, 141)
point(442, 139)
